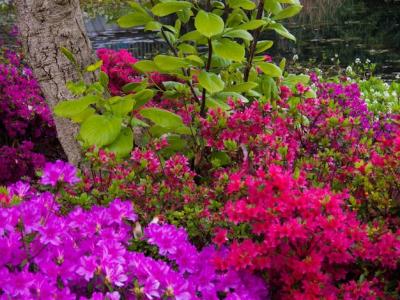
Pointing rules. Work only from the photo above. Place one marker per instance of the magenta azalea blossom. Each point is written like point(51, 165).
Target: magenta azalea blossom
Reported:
point(59, 171)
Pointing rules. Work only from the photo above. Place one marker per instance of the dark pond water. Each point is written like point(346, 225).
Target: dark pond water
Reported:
point(364, 29)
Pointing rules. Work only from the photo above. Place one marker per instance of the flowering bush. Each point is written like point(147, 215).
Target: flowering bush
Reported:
point(40, 247)
point(28, 135)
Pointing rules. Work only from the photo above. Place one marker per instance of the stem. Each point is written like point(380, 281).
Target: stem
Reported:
point(256, 35)
point(203, 99)
point(185, 72)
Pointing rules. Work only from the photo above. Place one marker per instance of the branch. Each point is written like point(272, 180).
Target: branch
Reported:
point(256, 35)
point(203, 99)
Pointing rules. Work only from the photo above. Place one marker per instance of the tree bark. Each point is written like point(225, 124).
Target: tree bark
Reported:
point(45, 26)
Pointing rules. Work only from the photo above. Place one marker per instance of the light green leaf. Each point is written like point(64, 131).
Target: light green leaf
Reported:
point(70, 108)
point(135, 122)
point(76, 88)
point(280, 29)
point(272, 6)
point(163, 9)
point(270, 69)
point(162, 117)
point(242, 87)
point(82, 116)
point(142, 97)
point(103, 79)
point(211, 82)
point(228, 49)
point(145, 66)
point(288, 12)
point(68, 54)
point(245, 4)
point(217, 103)
point(208, 24)
point(240, 34)
point(251, 25)
point(263, 46)
point(123, 106)
point(170, 63)
point(100, 130)
point(196, 60)
point(153, 26)
point(134, 19)
point(94, 66)
point(123, 144)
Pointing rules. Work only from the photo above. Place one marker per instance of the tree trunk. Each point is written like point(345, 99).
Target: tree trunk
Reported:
point(45, 26)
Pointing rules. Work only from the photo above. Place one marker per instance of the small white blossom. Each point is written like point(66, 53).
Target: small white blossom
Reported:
point(367, 61)
point(295, 57)
point(349, 69)
point(358, 61)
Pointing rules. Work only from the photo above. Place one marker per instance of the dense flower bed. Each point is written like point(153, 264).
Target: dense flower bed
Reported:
point(27, 129)
point(297, 197)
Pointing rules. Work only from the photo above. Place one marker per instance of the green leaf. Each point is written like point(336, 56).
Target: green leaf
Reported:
point(132, 86)
point(100, 130)
point(211, 82)
point(68, 54)
point(123, 144)
point(242, 87)
point(163, 9)
point(82, 116)
point(228, 49)
point(288, 12)
point(76, 88)
point(103, 79)
point(245, 4)
point(153, 26)
point(145, 66)
point(281, 30)
point(219, 159)
point(123, 106)
point(70, 108)
point(208, 24)
point(135, 122)
point(196, 60)
point(94, 66)
point(263, 46)
point(270, 69)
point(291, 80)
point(240, 34)
point(170, 63)
point(187, 48)
point(251, 25)
point(134, 19)
point(193, 36)
point(137, 7)
point(272, 6)
point(162, 117)
point(142, 97)
point(217, 103)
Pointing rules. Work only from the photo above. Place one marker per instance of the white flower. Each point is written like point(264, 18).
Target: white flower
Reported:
point(367, 61)
point(336, 55)
point(397, 76)
point(358, 61)
point(295, 57)
point(349, 69)
point(386, 94)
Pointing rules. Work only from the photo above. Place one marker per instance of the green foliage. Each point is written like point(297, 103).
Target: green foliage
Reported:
point(213, 55)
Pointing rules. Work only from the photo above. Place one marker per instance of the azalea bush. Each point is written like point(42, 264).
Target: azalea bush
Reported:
point(28, 134)
point(47, 254)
